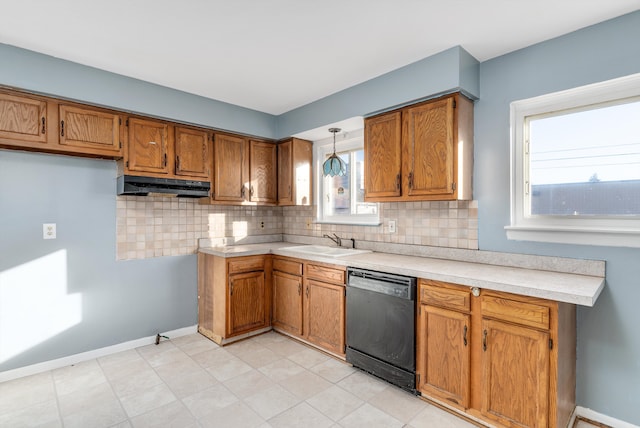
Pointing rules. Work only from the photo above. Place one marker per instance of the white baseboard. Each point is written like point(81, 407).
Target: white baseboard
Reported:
point(599, 417)
point(89, 355)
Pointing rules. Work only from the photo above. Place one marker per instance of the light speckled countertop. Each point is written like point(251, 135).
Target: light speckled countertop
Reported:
point(562, 287)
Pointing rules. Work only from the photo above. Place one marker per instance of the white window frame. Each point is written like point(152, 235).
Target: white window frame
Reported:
point(585, 230)
point(354, 140)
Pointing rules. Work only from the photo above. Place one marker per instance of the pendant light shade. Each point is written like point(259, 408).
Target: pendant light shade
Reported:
point(334, 165)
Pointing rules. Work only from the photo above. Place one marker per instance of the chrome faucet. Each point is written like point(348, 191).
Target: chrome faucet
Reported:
point(335, 238)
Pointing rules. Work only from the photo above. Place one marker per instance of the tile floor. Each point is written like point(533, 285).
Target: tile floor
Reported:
point(266, 381)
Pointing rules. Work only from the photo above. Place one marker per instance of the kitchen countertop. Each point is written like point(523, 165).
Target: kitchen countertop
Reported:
point(563, 287)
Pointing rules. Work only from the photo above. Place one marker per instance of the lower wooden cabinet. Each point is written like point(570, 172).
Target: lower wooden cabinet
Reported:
point(502, 358)
point(309, 302)
point(234, 296)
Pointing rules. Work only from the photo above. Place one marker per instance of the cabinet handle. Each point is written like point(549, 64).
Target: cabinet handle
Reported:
point(44, 128)
point(484, 340)
point(251, 190)
point(177, 163)
point(231, 289)
point(299, 289)
point(398, 182)
point(242, 191)
point(307, 291)
point(62, 128)
point(165, 159)
point(289, 190)
point(464, 335)
point(411, 180)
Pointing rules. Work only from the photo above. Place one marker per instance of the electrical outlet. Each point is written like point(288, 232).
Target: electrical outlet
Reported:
point(49, 231)
point(392, 226)
point(261, 224)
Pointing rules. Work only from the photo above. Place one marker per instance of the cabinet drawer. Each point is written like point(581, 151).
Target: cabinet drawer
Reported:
point(529, 314)
point(288, 266)
point(326, 274)
point(431, 294)
point(246, 264)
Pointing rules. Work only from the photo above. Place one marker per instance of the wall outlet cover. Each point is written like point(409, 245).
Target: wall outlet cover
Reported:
point(49, 231)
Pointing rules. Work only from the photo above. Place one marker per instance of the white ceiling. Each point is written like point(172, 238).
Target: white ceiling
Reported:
point(276, 55)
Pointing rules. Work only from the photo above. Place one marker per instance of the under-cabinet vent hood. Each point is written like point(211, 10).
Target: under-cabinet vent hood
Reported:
point(145, 186)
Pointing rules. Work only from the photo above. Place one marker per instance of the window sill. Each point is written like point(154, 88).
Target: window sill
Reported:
point(355, 222)
point(607, 237)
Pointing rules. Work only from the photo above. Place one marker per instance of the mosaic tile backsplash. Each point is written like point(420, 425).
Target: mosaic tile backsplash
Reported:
point(151, 226)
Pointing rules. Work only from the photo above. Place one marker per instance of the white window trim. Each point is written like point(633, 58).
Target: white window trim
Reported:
point(352, 140)
point(606, 231)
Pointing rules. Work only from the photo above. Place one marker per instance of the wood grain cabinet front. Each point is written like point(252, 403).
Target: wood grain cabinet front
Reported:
point(91, 130)
point(147, 147)
point(234, 296)
point(192, 153)
point(420, 152)
point(25, 121)
point(309, 305)
point(263, 186)
point(502, 358)
point(295, 157)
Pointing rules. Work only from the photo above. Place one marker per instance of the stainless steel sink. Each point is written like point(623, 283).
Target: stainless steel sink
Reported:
point(326, 251)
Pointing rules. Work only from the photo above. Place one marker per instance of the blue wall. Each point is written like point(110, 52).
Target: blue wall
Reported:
point(117, 301)
point(47, 75)
point(608, 370)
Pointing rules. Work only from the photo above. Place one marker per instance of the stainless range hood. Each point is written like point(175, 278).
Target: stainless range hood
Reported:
point(144, 186)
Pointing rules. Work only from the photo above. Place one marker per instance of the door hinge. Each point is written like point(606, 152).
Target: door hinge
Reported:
point(120, 121)
point(126, 122)
point(127, 164)
point(550, 343)
point(120, 144)
point(454, 104)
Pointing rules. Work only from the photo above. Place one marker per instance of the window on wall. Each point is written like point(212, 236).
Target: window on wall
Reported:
point(341, 198)
point(576, 165)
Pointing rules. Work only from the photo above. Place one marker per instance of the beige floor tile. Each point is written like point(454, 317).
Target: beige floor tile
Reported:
point(286, 347)
point(305, 384)
point(44, 414)
point(432, 416)
point(308, 358)
point(259, 357)
point(189, 383)
point(367, 416)
point(105, 414)
point(281, 369)
point(86, 399)
point(125, 368)
point(173, 415)
point(272, 401)
point(136, 382)
point(208, 359)
point(119, 359)
point(229, 369)
point(302, 415)
point(247, 383)
point(333, 370)
point(398, 403)
point(237, 415)
point(80, 376)
point(363, 385)
point(196, 346)
point(335, 402)
point(146, 400)
point(211, 400)
point(168, 356)
point(25, 392)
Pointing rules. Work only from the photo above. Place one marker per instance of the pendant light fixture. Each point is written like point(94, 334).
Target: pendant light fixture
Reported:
point(334, 165)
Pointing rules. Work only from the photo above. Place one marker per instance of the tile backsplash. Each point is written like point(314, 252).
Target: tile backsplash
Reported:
point(151, 226)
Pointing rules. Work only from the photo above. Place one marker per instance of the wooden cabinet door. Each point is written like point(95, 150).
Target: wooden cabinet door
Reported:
point(230, 164)
point(96, 130)
point(287, 302)
point(147, 146)
point(515, 374)
point(383, 156)
point(192, 153)
point(429, 148)
point(285, 173)
point(324, 315)
point(23, 119)
point(443, 361)
point(262, 171)
point(246, 302)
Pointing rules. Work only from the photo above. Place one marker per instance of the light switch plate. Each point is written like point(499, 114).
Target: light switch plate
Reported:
point(49, 231)
point(392, 226)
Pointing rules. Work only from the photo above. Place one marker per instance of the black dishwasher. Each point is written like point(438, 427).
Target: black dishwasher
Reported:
point(380, 316)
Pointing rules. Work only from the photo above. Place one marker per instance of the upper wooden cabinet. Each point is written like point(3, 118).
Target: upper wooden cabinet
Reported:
point(294, 172)
point(89, 129)
point(421, 152)
point(192, 153)
point(262, 172)
point(24, 120)
point(148, 146)
point(230, 166)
